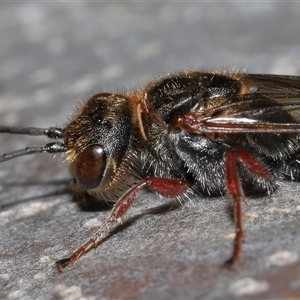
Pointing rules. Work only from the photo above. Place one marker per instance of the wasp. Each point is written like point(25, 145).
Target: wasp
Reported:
point(186, 134)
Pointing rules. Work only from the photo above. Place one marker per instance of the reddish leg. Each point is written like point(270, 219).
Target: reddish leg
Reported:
point(234, 189)
point(163, 186)
point(197, 123)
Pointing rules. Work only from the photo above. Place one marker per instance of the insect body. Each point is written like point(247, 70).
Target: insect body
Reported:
point(191, 133)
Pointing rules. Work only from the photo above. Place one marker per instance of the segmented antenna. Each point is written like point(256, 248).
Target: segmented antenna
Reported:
point(51, 132)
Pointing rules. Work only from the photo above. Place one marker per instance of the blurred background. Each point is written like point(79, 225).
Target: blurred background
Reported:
point(58, 52)
point(53, 56)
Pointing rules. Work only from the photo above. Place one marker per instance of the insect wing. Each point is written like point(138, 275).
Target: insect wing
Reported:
point(269, 98)
point(264, 104)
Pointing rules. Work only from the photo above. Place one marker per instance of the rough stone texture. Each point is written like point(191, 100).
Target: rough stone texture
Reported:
point(54, 53)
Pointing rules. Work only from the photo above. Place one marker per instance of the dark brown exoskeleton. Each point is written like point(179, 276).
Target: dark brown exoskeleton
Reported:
point(191, 133)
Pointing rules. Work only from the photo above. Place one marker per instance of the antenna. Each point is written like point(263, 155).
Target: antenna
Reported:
point(51, 132)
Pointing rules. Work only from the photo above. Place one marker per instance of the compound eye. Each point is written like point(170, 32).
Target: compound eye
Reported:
point(90, 167)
